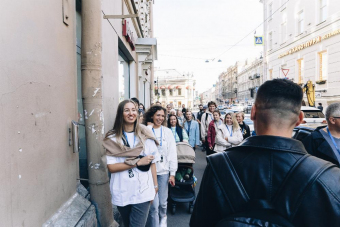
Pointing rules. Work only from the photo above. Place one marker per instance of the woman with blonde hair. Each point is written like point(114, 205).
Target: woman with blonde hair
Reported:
point(131, 153)
point(228, 134)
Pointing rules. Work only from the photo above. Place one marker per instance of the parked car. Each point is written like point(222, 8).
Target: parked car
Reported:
point(312, 116)
point(237, 107)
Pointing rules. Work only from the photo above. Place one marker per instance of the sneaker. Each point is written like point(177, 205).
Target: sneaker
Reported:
point(163, 222)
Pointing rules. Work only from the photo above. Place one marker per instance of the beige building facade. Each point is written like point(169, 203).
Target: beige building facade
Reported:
point(249, 79)
point(171, 87)
point(302, 43)
point(62, 61)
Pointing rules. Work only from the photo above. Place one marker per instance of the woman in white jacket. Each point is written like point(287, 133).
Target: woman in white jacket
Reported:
point(228, 134)
point(166, 168)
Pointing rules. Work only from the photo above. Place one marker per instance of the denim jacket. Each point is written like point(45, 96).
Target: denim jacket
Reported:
point(194, 133)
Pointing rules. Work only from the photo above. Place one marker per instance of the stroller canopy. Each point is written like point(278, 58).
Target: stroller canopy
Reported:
point(185, 153)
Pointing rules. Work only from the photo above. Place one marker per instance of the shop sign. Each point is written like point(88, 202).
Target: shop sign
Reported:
point(310, 43)
point(128, 34)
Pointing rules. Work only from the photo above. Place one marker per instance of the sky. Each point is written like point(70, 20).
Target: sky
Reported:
point(189, 32)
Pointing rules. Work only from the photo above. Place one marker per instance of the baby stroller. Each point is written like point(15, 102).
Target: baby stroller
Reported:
point(184, 190)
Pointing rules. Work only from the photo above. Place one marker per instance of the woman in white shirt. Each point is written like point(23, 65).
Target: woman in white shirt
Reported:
point(228, 134)
point(130, 152)
point(166, 166)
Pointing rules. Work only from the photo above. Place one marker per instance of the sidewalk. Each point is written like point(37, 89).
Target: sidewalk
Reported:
point(182, 217)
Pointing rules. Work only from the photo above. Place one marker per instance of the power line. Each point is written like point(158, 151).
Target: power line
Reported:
point(232, 46)
point(254, 29)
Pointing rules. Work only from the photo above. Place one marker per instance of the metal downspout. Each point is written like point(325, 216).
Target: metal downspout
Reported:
point(91, 70)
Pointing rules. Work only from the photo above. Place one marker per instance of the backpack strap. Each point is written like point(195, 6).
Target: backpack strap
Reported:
point(237, 196)
point(291, 192)
point(299, 179)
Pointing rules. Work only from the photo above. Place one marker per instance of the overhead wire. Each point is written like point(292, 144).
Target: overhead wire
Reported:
point(232, 46)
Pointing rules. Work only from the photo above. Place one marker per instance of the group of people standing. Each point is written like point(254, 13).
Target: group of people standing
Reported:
point(142, 159)
point(220, 134)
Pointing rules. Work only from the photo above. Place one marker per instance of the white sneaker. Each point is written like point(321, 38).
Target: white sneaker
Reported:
point(163, 222)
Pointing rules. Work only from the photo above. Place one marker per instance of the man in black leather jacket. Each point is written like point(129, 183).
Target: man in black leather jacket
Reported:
point(263, 163)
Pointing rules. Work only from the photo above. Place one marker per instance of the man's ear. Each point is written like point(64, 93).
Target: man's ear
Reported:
point(253, 113)
point(301, 116)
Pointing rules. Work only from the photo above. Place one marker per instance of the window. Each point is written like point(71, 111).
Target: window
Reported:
point(179, 91)
point(171, 92)
point(270, 74)
point(163, 92)
point(323, 66)
point(300, 23)
point(323, 10)
point(270, 41)
point(284, 27)
point(300, 70)
point(270, 11)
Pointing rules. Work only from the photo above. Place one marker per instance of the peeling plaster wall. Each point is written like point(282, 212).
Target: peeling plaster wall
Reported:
point(37, 103)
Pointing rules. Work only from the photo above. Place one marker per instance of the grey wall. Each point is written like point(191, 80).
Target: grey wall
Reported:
point(37, 103)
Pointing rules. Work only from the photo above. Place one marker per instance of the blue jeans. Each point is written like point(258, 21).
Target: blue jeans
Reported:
point(159, 205)
point(135, 215)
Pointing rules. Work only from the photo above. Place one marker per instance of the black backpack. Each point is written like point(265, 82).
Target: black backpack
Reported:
point(249, 212)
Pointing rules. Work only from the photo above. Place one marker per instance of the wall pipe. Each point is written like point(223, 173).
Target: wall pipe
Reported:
point(91, 70)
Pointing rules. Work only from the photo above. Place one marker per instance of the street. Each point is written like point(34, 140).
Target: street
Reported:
point(182, 217)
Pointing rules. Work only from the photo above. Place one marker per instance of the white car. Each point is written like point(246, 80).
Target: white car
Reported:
point(237, 107)
point(312, 116)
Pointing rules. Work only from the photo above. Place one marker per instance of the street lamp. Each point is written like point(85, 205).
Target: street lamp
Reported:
point(213, 59)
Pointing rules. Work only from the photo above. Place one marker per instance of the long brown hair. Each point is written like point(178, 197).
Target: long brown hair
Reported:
point(236, 126)
point(118, 126)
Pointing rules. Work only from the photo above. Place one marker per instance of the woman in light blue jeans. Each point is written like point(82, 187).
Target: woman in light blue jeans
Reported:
point(166, 167)
point(131, 153)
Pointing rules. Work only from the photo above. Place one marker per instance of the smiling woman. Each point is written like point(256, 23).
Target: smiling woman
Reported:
point(131, 154)
point(166, 167)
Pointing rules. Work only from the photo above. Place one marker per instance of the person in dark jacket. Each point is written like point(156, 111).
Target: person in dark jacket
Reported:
point(263, 163)
point(324, 142)
point(243, 126)
point(320, 107)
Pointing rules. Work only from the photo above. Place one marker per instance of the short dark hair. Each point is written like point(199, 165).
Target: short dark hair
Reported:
point(280, 95)
point(211, 103)
point(320, 103)
point(135, 100)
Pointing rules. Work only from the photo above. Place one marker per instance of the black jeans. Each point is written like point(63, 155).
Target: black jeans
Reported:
point(207, 149)
point(135, 215)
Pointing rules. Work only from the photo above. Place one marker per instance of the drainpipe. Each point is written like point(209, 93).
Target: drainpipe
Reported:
point(92, 101)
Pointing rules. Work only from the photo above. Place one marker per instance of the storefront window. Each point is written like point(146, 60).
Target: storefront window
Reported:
point(124, 77)
point(300, 70)
point(323, 66)
point(179, 91)
point(163, 92)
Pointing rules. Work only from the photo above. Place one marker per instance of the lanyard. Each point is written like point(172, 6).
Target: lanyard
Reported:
point(134, 140)
point(330, 135)
point(161, 142)
point(230, 132)
point(174, 132)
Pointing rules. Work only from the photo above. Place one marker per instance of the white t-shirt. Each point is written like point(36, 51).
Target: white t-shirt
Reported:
point(132, 186)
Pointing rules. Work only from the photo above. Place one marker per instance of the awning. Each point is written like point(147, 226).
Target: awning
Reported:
point(189, 87)
point(170, 87)
point(179, 87)
point(162, 87)
point(156, 87)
